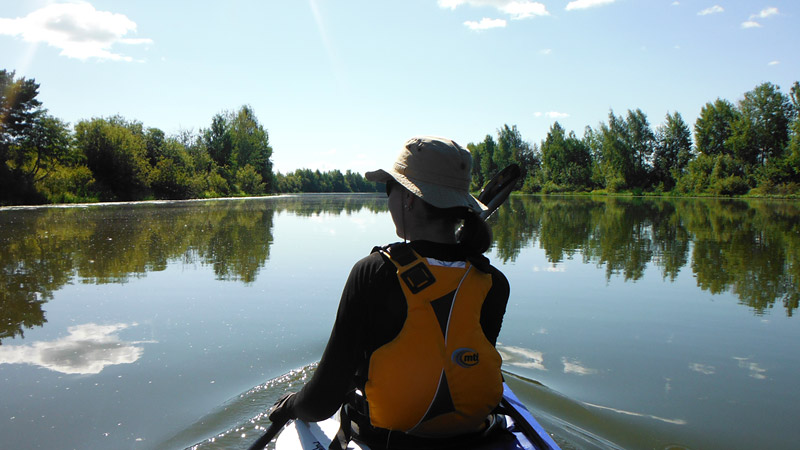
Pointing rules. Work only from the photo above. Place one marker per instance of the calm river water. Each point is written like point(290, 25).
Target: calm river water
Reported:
point(632, 323)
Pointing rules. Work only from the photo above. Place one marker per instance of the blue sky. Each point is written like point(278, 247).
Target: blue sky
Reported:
point(342, 84)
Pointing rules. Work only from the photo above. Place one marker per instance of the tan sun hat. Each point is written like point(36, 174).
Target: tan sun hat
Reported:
point(434, 169)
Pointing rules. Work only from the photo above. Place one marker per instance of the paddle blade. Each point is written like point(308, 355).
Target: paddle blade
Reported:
point(498, 189)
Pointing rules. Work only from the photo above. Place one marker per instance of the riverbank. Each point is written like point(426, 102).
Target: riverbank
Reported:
point(603, 192)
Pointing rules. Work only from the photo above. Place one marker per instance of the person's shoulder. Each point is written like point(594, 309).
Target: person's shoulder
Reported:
point(375, 260)
point(498, 277)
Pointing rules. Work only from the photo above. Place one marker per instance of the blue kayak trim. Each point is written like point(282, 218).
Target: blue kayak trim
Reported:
point(525, 425)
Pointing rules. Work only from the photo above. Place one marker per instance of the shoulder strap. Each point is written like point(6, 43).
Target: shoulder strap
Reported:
point(401, 254)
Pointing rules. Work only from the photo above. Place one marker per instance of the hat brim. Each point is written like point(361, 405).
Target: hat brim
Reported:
point(436, 195)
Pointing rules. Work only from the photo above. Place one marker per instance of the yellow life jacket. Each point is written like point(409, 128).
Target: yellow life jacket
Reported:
point(440, 376)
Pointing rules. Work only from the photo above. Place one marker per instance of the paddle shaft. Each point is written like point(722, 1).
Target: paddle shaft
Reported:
point(272, 431)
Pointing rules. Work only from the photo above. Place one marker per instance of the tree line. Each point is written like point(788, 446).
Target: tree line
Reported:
point(752, 147)
point(44, 160)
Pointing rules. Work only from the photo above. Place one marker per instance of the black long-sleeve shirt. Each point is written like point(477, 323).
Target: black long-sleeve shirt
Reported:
point(371, 313)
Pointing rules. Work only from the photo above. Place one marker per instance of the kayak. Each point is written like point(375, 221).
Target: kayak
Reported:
point(523, 432)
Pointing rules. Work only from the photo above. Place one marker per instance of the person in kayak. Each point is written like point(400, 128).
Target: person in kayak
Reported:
point(412, 352)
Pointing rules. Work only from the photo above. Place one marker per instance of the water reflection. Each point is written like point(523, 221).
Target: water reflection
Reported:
point(521, 357)
point(526, 358)
point(749, 248)
point(752, 368)
point(88, 349)
point(43, 249)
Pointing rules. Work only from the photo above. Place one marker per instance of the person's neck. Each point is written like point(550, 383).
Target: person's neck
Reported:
point(431, 232)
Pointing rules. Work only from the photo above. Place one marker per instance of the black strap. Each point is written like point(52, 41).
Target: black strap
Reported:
point(360, 429)
point(345, 433)
point(402, 253)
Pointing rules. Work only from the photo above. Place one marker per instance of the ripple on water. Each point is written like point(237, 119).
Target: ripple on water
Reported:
point(240, 421)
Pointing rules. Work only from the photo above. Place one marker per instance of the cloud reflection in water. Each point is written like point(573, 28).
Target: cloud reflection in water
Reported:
point(521, 357)
point(88, 349)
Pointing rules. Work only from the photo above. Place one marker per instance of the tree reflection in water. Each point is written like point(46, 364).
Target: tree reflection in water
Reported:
point(43, 249)
point(751, 248)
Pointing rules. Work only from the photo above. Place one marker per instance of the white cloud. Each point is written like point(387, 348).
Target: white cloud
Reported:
point(764, 14)
point(517, 9)
point(78, 29)
point(452, 4)
point(551, 114)
point(88, 349)
point(676, 3)
point(584, 4)
point(773, 63)
point(767, 12)
point(485, 24)
point(716, 9)
point(546, 51)
point(524, 9)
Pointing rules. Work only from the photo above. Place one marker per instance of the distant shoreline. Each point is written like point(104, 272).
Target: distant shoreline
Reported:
point(157, 202)
point(650, 195)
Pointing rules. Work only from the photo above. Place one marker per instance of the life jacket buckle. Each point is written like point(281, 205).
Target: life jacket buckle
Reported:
point(418, 278)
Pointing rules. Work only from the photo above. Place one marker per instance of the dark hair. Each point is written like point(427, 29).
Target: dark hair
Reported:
point(474, 235)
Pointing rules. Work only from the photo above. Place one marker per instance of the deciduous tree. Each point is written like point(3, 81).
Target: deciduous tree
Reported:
point(761, 131)
point(713, 127)
point(673, 150)
point(116, 153)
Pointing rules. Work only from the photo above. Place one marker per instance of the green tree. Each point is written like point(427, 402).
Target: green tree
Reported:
point(793, 147)
point(116, 153)
point(503, 154)
point(566, 161)
point(713, 127)
point(477, 151)
point(761, 131)
point(154, 141)
point(19, 111)
point(618, 165)
point(173, 175)
point(251, 144)
point(249, 180)
point(46, 143)
point(488, 166)
point(593, 141)
point(218, 141)
point(522, 153)
point(640, 140)
point(673, 150)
